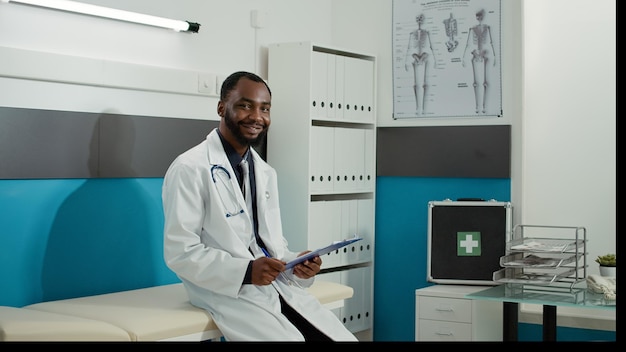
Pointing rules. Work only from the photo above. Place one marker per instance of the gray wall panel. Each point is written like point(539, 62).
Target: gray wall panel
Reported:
point(445, 151)
point(46, 144)
point(134, 146)
point(61, 144)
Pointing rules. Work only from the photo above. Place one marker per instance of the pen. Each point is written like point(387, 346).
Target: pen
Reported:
point(266, 252)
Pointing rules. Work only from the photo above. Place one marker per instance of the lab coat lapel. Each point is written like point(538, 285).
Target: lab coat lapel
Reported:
point(217, 156)
point(263, 177)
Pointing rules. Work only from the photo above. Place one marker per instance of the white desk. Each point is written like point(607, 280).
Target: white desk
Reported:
point(443, 313)
point(512, 295)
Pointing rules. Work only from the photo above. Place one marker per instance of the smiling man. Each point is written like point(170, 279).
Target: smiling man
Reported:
point(223, 234)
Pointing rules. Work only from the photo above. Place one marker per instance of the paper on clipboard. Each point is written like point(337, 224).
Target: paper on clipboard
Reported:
point(321, 251)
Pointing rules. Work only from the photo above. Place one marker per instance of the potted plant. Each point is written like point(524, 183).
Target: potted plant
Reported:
point(608, 264)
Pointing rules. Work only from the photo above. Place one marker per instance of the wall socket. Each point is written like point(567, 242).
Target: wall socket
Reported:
point(207, 83)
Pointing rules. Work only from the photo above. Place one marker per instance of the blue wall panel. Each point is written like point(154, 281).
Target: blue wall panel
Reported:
point(401, 243)
point(64, 238)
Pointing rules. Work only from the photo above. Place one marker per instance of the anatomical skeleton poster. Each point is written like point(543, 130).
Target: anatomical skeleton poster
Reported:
point(446, 58)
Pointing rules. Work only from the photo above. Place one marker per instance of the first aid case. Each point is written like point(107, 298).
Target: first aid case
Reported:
point(466, 239)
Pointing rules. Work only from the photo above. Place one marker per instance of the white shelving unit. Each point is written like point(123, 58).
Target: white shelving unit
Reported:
point(442, 313)
point(322, 142)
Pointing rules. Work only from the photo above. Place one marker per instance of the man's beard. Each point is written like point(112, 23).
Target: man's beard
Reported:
point(236, 131)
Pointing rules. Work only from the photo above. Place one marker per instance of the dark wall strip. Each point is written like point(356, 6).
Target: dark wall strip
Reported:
point(61, 144)
point(46, 144)
point(445, 151)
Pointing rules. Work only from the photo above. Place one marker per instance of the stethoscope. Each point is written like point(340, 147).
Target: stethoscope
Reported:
point(218, 172)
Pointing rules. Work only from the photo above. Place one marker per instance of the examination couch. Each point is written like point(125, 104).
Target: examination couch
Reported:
point(160, 313)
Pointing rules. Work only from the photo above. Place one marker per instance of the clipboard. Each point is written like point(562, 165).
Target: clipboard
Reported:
point(321, 251)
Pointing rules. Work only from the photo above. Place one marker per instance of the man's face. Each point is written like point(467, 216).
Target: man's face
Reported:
point(246, 113)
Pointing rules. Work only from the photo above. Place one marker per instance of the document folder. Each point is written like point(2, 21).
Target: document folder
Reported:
point(321, 251)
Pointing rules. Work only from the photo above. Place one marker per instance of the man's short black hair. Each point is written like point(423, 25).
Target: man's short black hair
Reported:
point(231, 81)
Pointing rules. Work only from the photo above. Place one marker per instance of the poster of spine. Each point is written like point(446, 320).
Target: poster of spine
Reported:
point(446, 58)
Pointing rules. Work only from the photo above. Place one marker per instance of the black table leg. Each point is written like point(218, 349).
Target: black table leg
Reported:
point(549, 323)
point(509, 321)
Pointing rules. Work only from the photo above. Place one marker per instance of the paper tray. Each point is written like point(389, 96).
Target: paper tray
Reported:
point(551, 245)
point(534, 276)
point(546, 293)
point(538, 260)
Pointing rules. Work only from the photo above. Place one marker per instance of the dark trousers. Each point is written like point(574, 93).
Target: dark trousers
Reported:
point(310, 332)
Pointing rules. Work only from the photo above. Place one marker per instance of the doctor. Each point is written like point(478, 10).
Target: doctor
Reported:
point(229, 254)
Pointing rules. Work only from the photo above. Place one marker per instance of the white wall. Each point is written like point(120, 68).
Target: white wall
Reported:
point(568, 131)
point(558, 72)
point(225, 43)
point(569, 119)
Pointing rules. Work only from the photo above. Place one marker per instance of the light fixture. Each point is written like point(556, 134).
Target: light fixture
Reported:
point(93, 10)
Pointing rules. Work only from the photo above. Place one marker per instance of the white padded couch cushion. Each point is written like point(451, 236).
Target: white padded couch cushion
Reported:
point(161, 312)
point(17, 324)
point(330, 292)
point(147, 314)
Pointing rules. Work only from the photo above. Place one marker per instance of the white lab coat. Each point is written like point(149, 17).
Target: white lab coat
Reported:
point(209, 251)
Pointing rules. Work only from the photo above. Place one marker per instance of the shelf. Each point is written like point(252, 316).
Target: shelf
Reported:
point(547, 293)
point(328, 174)
point(551, 245)
point(329, 122)
point(538, 260)
point(534, 276)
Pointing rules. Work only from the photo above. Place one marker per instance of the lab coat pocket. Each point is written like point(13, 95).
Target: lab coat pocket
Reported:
point(242, 226)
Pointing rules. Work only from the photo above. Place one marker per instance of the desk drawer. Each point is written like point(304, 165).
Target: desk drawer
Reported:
point(435, 330)
point(445, 309)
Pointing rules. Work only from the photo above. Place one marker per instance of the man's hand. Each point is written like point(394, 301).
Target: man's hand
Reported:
point(308, 268)
point(265, 270)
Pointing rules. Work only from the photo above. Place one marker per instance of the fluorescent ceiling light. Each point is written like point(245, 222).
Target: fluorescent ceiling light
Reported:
point(93, 10)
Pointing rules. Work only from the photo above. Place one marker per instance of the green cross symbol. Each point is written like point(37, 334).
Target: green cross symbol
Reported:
point(468, 244)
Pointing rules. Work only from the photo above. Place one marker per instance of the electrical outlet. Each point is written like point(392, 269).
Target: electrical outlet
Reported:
point(258, 19)
point(206, 83)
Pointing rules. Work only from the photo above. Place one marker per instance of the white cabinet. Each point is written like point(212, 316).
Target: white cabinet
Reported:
point(443, 314)
point(322, 142)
